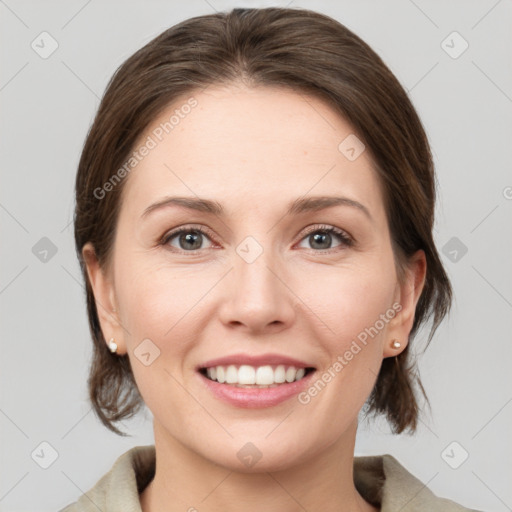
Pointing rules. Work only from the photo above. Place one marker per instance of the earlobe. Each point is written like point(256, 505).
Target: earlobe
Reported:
point(104, 297)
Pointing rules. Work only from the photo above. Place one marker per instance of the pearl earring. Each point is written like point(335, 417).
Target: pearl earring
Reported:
point(396, 344)
point(112, 345)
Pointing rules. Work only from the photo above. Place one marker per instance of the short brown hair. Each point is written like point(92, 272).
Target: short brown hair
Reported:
point(301, 50)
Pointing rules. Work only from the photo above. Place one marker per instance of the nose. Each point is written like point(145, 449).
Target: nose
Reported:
point(259, 296)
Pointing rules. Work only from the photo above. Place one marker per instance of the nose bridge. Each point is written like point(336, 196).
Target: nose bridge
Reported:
point(253, 279)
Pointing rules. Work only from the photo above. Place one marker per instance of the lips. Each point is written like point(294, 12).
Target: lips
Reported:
point(255, 381)
point(255, 361)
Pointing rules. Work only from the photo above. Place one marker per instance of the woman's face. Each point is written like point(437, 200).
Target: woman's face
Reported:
point(265, 287)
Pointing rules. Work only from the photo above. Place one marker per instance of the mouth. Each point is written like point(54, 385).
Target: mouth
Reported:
point(255, 381)
point(255, 377)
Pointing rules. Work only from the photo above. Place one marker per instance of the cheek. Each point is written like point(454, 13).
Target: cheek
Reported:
point(158, 314)
point(166, 305)
point(347, 305)
point(348, 301)
point(154, 298)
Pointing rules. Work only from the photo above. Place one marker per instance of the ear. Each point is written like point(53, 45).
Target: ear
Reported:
point(104, 295)
point(407, 295)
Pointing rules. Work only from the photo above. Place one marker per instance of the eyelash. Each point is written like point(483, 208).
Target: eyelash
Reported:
point(345, 239)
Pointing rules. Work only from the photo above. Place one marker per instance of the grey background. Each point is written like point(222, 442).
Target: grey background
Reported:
point(47, 107)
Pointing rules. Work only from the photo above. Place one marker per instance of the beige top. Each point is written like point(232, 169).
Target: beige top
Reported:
point(381, 480)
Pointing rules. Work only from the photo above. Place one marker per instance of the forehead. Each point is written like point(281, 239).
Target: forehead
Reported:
point(232, 143)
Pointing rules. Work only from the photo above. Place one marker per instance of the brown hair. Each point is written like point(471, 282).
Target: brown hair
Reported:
point(304, 51)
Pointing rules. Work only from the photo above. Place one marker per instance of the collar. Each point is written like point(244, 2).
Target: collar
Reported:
point(380, 479)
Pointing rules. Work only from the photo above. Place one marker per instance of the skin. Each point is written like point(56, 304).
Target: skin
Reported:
point(254, 150)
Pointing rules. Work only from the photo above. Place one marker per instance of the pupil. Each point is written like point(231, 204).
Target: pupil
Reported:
point(318, 238)
point(193, 238)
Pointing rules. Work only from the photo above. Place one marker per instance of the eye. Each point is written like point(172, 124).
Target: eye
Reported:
point(321, 237)
point(190, 239)
point(187, 239)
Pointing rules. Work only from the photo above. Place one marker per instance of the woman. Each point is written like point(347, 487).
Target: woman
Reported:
point(254, 213)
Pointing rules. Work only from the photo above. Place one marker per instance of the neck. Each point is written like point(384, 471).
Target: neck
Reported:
point(185, 481)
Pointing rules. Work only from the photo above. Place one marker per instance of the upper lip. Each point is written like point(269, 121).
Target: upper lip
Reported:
point(255, 360)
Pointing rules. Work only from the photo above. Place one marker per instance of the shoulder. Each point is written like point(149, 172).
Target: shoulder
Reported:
point(384, 481)
point(119, 489)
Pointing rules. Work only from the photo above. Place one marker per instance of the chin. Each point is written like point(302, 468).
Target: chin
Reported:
point(257, 454)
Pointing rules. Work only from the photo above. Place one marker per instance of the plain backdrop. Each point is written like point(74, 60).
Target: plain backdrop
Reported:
point(463, 448)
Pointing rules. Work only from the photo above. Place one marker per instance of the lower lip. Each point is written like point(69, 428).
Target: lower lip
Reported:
point(255, 398)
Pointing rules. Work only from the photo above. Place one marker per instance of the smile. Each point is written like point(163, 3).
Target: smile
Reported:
point(255, 381)
point(248, 376)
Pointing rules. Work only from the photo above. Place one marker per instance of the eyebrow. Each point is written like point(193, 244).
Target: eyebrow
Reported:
point(300, 205)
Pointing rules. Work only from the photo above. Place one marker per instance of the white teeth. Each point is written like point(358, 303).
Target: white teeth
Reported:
point(262, 376)
point(231, 375)
point(265, 376)
point(279, 374)
point(246, 375)
point(290, 374)
point(300, 373)
point(221, 376)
